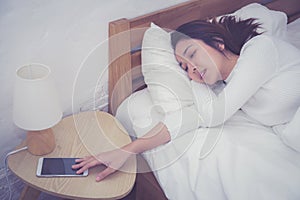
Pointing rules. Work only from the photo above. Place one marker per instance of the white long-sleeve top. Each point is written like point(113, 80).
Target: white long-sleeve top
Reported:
point(265, 84)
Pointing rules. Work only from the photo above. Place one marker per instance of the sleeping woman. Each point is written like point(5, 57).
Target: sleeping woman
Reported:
point(261, 73)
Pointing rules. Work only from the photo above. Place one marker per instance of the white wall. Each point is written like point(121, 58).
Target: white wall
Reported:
point(60, 34)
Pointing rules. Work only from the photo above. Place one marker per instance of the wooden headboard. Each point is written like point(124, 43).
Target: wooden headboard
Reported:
point(125, 37)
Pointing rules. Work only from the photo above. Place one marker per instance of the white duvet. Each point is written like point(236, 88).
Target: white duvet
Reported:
point(249, 160)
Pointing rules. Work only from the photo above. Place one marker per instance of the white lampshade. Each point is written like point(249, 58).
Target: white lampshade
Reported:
point(36, 103)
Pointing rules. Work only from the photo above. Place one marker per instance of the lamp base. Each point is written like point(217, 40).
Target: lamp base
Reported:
point(40, 142)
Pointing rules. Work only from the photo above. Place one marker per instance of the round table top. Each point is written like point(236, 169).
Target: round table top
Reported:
point(83, 134)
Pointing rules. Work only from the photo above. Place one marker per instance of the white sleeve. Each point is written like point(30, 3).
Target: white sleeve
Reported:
point(291, 134)
point(182, 121)
point(256, 65)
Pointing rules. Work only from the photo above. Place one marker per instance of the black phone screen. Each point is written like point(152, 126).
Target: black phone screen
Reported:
point(58, 166)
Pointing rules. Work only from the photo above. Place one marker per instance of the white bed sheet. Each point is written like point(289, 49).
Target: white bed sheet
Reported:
point(248, 162)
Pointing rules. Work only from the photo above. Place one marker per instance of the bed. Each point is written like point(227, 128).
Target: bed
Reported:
point(219, 178)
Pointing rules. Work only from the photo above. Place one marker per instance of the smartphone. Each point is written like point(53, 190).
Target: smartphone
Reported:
point(57, 167)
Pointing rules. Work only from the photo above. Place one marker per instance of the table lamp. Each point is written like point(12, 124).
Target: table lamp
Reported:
point(36, 107)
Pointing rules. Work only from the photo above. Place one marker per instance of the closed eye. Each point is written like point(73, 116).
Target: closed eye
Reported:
point(193, 54)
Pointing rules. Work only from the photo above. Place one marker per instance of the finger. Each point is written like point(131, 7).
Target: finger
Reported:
point(104, 173)
point(79, 162)
point(83, 161)
point(91, 162)
point(78, 165)
point(87, 166)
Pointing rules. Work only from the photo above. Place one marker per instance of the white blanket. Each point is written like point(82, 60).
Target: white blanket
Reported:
point(249, 161)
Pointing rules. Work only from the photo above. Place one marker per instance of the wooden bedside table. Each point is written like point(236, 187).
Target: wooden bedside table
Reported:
point(87, 133)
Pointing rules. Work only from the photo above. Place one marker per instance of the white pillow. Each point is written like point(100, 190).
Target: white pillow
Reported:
point(272, 22)
point(167, 82)
point(137, 113)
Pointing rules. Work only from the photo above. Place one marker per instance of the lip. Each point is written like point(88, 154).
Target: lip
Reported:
point(202, 73)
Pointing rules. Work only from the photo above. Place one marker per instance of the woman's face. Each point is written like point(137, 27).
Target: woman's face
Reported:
point(201, 61)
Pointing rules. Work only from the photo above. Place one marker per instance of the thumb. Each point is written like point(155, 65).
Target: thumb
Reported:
point(104, 173)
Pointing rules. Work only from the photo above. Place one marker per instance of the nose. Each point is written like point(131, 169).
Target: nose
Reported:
point(191, 68)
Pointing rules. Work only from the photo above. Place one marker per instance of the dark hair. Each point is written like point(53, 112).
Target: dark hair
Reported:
point(228, 30)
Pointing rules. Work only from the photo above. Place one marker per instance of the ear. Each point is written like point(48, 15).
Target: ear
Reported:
point(219, 43)
point(221, 46)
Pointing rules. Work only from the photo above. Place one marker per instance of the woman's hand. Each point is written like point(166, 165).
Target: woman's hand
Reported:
point(113, 160)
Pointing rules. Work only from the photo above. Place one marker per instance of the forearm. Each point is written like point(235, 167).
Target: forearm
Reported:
point(155, 137)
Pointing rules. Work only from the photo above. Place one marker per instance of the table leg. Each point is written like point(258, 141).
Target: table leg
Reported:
point(29, 193)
